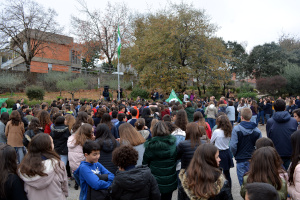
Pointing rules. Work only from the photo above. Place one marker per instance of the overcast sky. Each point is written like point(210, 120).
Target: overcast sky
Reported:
point(251, 22)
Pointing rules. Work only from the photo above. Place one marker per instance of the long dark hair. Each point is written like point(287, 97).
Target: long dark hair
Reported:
point(104, 136)
point(295, 140)
point(106, 119)
point(193, 133)
point(203, 171)
point(82, 117)
point(34, 125)
point(224, 124)
point(198, 117)
point(146, 113)
point(265, 167)
point(44, 118)
point(181, 119)
point(40, 146)
point(8, 165)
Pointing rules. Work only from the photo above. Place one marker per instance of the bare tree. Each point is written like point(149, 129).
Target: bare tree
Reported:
point(100, 27)
point(26, 27)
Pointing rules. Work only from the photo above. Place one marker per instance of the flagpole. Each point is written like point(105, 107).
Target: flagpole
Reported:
point(118, 81)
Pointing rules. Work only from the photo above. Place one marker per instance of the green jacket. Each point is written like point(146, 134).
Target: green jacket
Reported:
point(190, 113)
point(160, 155)
point(282, 192)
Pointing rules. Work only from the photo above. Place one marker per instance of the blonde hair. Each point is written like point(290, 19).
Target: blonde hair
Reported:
point(153, 122)
point(129, 134)
point(70, 121)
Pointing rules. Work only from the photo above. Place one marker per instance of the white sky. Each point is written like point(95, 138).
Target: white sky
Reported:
point(252, 22)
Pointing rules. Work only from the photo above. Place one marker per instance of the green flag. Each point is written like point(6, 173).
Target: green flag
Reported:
point(119, 43)
point(173, 97)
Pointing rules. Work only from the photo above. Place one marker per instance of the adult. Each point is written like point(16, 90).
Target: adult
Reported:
point(261, 113)
point(279, 129)
point(211, 112)
point(242, 143)
point(190, 111)
point(294, 170)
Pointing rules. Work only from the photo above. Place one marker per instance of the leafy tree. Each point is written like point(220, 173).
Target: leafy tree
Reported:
point(72, 85)
point(10, 81)
point(266, 61)
point(292, 74)
point(271, 85)
point(26, 27)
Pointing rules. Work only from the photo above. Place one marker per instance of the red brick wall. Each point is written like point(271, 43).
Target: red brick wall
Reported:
point(55, 51)
point(60, 68)
point(39, 67)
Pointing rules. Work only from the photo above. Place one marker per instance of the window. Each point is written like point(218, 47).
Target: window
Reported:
point(49, 67)
point(75, 69)
point(74, 57)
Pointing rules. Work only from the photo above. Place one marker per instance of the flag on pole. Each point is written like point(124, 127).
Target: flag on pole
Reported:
point(119, 43)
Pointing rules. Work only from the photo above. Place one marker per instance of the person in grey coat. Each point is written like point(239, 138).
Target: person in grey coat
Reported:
point(230, 112)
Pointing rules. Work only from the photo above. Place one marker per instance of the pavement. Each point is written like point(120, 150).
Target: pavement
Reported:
point(74, 194)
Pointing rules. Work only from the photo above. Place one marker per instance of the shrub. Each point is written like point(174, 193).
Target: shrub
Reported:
point(247, 94)
point(140, 92)
point(35, 92)
point(10, 103)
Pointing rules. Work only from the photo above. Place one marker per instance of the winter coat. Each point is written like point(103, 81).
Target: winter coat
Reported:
point(211, 111)
point(190, 113)
point(114, 131)
point(47, 129)
point(145, 133)
point(185, 152)
point(230, 112)
point(3, 138)
point(14, 188)
point(243, 139)
point(222, 108)
point(87, 173)
point(179, 134)
point(279, 129)
point(60, 135)
point(268, 109)
point(221, 190)
point(148, 120)
point(282, 192)
point(160, 155)
point(14, 134)
point(290, 109)
point(135, 184)
point(294, 190)
point(75, 153)
point(140, 149)
point(106, 155)
point(28, 135)
point(52, 186)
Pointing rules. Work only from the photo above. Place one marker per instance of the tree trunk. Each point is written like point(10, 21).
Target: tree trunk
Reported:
point(73, 95)
point(204, 89)
point(199, 90)
point(224, 92)
point(11, 92)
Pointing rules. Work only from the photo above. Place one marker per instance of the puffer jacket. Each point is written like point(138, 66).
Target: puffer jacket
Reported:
point(190, 113)
point(135, 184)
point(106, 155)
point(28, 135)
point(211, 111)
point(294, 190)
point(75, 153)
point(222, 108)
point(60, 135)
point(160, 155)
point(185, 152)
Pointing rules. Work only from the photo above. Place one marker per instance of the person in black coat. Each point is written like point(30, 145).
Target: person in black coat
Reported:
point(11, 186)
point(107, 143)
point(132, 183)
point(146, 114)
point(33, 129)
point(60, 134)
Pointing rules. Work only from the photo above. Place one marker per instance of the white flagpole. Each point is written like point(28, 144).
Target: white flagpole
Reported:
point(118, 80)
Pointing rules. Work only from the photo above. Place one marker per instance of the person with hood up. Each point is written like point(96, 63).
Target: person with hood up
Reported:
point(190, 111)
point(42, 171)
point(279, 129)
point(242, 143)
point(222, 106)
point(211, 112)
point(60, 134)
point(132, 182)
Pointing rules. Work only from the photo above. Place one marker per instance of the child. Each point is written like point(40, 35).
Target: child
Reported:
point(60, 134)
point(90, 170)
point(29, 115)
point(142, 129)
point(261, 191)
point(131, 181)
point(33, 129)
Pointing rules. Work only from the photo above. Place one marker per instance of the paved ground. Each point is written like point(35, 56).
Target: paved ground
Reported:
point(74, 194)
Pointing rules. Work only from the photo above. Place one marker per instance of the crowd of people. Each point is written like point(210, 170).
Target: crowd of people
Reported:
point(147, 149)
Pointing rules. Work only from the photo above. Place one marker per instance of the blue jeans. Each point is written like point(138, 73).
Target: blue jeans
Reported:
point(261, 115)
point(241, 169)
point(64, 158)
point(239, 118)
point(268, 117)
point(286, 162)
point(21, 151)
point(211, 122)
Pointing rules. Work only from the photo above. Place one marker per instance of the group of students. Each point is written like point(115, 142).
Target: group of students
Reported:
point(143, 150)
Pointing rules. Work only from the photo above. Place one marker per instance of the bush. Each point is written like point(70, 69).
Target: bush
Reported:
point(10, 103)
point(247, 94)
point(35, 92)
point(140, 92)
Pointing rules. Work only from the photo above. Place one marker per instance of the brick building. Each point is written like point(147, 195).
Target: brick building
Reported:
point(58, 53)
